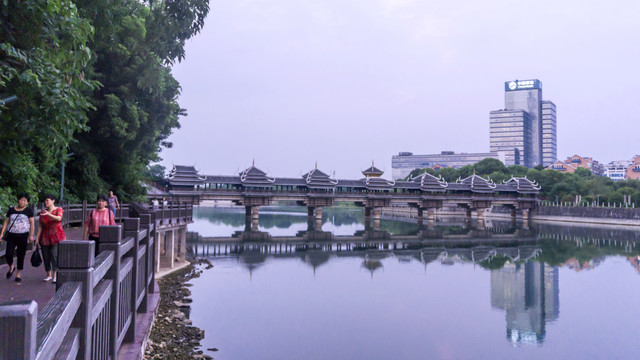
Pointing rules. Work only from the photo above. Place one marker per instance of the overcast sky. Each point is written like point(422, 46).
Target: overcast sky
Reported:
point(345, 82)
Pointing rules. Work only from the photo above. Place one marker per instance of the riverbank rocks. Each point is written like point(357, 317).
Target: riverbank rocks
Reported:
point(173, 336)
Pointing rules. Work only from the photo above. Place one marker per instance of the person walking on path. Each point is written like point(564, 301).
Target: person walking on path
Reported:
point(99, 216)
point(50, 233)
point(113, 202)
point(19, 231)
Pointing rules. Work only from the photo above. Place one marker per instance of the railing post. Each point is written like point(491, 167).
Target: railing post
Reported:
point(131, 227)
point(18, 323)
point(144, 225)
point(75, 260)
point(84, 211)
point(111, 239)
point(148, 222)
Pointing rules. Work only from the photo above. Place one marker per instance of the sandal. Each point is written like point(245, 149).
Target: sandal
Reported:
point(10, 272)
point(18, 279)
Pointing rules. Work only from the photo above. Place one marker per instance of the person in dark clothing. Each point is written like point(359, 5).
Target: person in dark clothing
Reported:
point(18, 228)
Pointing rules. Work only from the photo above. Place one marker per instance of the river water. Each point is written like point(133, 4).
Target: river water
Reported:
point(290, 289)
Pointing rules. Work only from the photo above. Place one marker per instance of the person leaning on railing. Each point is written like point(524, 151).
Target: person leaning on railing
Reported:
point(19, 231)
point(99, 216)
point(50, 233)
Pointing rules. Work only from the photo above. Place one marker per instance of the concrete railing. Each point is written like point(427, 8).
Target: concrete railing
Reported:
point(589, 212)
point(93, 311)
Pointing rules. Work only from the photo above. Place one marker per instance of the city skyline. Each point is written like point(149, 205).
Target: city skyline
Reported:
point(289, 84)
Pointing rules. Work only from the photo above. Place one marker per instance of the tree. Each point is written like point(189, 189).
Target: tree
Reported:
point(43, 56)
point(136, 108)
point(487, 166)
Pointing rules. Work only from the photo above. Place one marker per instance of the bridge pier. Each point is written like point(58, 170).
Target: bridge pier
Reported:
point(376, 218)
point(525, 217)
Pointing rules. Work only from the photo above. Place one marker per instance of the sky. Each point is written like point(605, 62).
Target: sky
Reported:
point(346, 82)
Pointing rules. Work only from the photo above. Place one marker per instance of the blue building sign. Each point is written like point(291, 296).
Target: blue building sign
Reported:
point(522, 85)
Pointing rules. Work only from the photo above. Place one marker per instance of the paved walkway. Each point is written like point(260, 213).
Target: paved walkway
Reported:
point(32, 287)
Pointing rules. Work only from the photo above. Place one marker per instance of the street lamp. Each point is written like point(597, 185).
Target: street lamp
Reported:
point(64, 162)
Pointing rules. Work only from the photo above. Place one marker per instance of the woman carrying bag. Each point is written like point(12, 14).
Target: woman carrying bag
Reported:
point(50, 233)
point(17, 231)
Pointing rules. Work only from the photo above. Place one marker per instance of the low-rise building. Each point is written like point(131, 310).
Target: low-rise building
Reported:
point(577, 161)
point(561, 166)
point(633, 171)
point(617, 170)
point(403, 163)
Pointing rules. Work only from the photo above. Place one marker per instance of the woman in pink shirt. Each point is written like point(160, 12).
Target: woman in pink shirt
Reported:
point(99, 216)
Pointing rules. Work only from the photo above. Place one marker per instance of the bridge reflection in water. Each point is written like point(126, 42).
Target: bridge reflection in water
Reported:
point(523, 282)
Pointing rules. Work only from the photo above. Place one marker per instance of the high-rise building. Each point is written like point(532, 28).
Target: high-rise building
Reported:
point(549, 133)
point(510, 132)
point(526, 96)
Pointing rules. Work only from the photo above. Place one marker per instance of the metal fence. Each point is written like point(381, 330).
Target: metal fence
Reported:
point(94, 308)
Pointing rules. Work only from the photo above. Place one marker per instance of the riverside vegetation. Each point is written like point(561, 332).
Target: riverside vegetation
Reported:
point(556, 185)
point(94, 90)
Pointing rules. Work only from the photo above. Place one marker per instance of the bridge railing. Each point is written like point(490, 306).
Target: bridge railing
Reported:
point(94, 308)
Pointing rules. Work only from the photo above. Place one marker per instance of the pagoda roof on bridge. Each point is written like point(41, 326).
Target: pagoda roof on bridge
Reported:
point(378, 183)
point(254, 177)
point(182, 175)
point(523, 185)
point(477, 184)
point(372, 171)
point(289, 182)
point(316, 179)
point(430, 183)
point(224, 179)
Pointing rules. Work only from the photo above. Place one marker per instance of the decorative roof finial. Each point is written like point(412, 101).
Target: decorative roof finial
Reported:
point(316, 165)
point(474, 170)
point(372, 163)
point(253, 162)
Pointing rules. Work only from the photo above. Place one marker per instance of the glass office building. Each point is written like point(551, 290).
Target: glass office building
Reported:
point(526, 95)
point(510, 132)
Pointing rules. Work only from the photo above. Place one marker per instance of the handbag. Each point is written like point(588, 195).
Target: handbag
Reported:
point(36, 259)
point(4, 236)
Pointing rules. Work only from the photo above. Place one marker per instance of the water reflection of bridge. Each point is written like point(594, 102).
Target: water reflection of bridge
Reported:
point(426, 250)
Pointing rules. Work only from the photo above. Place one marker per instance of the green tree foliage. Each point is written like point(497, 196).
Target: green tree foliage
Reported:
point(43, 55)
point(556, 185)
point(136, 108)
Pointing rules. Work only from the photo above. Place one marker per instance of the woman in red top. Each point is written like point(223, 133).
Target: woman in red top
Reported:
point(99, 216)
point(50, 233)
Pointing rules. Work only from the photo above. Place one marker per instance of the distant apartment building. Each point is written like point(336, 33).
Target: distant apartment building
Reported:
point(403, 163)
point(526, 127)
point(633, 171)
point(617, 170)
point(571, 164)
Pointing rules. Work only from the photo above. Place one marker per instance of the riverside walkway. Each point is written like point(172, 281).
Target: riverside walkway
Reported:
point(102, 306)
